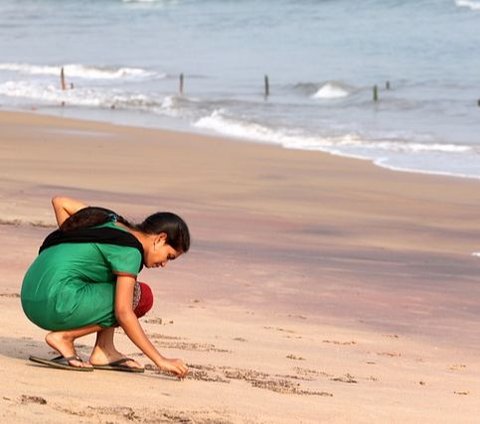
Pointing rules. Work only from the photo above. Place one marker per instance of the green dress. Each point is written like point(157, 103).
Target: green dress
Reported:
point(72, 285)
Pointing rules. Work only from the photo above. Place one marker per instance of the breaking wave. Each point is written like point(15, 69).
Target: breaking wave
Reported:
point(220, 122)
point(472, 5)
point(81, 71)
point(331, 90)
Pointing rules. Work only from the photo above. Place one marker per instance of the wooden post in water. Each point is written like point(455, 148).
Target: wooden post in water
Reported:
point(181, 85)
point(387, 85)
point(62, 79)
point(267, 86)
point(375, 93)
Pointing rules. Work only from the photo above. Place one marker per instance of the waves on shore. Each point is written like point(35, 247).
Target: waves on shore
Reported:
point(81, 71)
point(49, 93)
point(470, 4)
point(285, 120)
point(219, 121)
point(331, 91)
point(391, 153)
point(324, 90)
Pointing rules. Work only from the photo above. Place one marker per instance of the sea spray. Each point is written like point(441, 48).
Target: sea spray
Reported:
point(331, 91)
point(80, 71)
point(470, 4)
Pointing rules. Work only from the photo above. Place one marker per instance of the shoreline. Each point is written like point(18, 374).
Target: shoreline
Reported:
point(317, 287)
point(189, 129)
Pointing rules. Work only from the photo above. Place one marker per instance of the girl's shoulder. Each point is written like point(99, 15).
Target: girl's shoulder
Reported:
point(109, 233)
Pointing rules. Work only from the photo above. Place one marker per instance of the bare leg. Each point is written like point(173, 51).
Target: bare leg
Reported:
point(63, 342)
point(105, 352)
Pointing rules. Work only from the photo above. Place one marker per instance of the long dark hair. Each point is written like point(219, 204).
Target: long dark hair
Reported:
point(178, 235)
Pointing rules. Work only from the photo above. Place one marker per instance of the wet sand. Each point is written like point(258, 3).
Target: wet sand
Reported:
point(318, 288)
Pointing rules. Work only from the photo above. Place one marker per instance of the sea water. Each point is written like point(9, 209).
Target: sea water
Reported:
point(322, 57)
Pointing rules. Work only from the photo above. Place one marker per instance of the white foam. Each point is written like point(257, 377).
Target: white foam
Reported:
point(330, 91)
point(348, 145)
point(219, 121)
point(476, 254)
point(79, 71)
point(383, 163)
point(169, 107)
point(408, 147)
point(169, 102)
point(38, 94)
point(472, 5)
point(51, 94)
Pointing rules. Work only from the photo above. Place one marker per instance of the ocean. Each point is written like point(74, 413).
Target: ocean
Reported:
point(123, 60)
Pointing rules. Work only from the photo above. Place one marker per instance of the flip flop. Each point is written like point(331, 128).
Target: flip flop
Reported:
point(118, 366)
point(61, 362)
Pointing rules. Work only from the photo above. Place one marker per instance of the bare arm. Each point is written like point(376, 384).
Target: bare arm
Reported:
point(130, 324)
point(65, 207)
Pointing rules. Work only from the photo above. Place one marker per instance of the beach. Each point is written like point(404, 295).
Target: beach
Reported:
point(317, 289)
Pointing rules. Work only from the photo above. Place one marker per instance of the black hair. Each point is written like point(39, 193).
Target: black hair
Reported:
point(87, 218)
point(178, 235)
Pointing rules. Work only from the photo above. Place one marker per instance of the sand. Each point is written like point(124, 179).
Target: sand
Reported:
point(318, 288)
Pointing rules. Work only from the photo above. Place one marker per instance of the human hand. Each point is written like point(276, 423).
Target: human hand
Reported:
point(174, 366)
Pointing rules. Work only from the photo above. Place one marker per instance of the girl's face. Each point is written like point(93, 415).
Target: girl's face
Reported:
point(159, 252)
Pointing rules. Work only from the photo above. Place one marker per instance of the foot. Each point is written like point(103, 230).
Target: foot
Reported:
point(62, 342)
point(102, 357)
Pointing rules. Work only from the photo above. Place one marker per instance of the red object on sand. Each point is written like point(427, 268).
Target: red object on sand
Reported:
point(146, 300)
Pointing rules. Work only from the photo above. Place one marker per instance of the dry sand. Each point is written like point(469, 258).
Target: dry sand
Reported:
point(318, 289)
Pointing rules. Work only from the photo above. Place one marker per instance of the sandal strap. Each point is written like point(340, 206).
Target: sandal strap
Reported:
point(120, 361)
point(67, 359)
point(74, 357)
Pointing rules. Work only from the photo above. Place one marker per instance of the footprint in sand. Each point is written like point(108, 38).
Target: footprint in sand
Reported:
point(336, 342)
point(33, 399)
point(13, 295)
point(295, 358)
point(390, 354)
point(289, 335)
point(309, 374)
point(156, 320)
point(457, 367)
point(347, 378)
point(297, 316)
point(199, 347)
